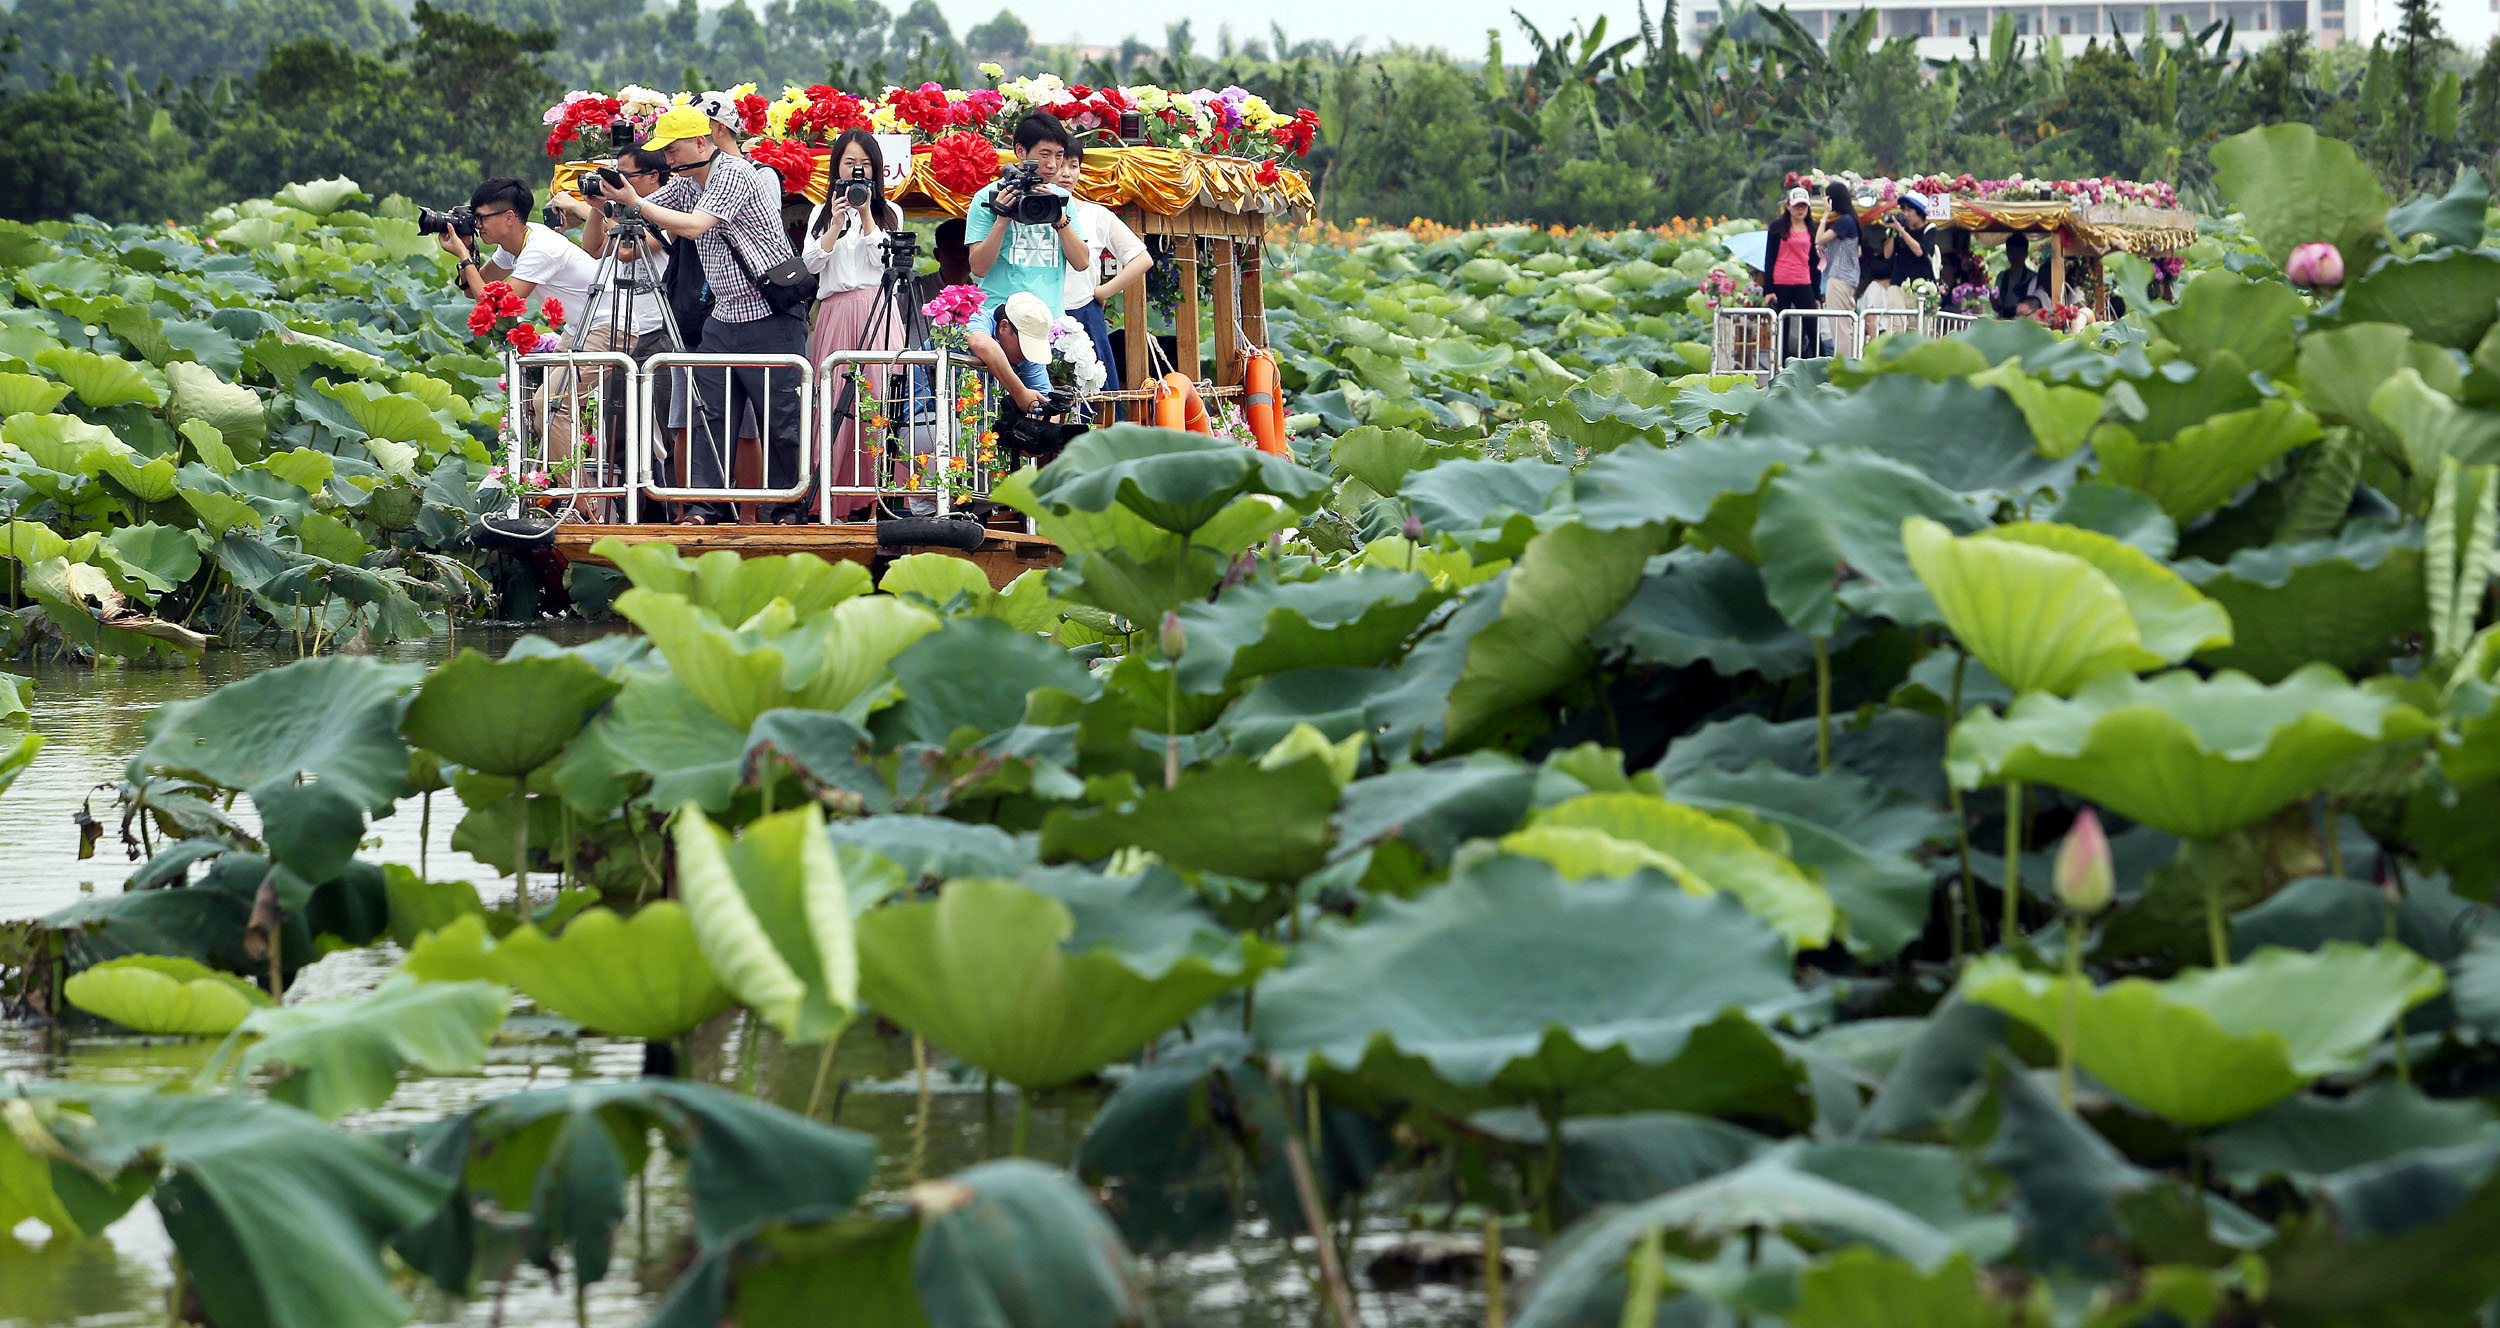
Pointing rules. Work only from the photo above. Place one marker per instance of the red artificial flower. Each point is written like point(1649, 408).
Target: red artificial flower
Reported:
point(752, 114)
point(963, 162)
point(556, 139)
point(793, 162)
point(1267, 173)
point(554, 310)
point(523, 338)
point(923, 108)
point(481, 320)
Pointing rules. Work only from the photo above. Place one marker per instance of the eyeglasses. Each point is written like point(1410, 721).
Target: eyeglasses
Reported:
point(636, 175)
point(490, 216)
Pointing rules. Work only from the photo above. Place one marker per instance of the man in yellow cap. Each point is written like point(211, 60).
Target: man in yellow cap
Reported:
point(721, 202)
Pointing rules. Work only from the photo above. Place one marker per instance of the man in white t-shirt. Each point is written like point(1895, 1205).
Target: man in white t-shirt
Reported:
point(1115, 262)
point(541, 266)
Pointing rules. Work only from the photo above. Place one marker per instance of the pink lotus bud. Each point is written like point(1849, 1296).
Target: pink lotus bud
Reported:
point(2315, 265)
point(1414, 530)
point(2082, 875)
point(1174, 639)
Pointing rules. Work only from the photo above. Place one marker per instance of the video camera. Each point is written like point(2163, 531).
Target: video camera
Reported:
point(460, 221)
point(1042, 433)
point(1036, 204)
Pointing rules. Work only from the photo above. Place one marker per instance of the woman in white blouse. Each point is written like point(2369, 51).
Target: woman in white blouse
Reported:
point(845, 251)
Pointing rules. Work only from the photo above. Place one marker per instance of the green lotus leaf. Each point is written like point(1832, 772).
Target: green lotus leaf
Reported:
point(164, 556)
point(936, 579)
point(203, 398)
point(1041, 1016)
point(1582, 1281)
point(1462, 496)
point(1714, 485)
point(1863, 1288)
point(379, 412)
point(74, 595)
point(1860, 838)
point(2453, 220)
point(504, 717)
point(64, 443)
point(1263, 627)
point(2195, 757)
point(100, 380)
point(563, 1156)
point(2342, 368)
point(656, 729)
point(25, 394)
point(2215, 1045)
point(2309, 1138)
point(1830, 536)
point(1642, 998)
point(771, 659)
point(1382, 458)
point(1231, 817)
point(1965, 437)
point(977, 673)
point(2220, 310)
point(283, 353)
point(773, 917)
point(2294, 187)
point(320, 197)
point(2060, 416)
point(1695, 607)
point(253, 1194)
point(2341, 601)
point(735, 589)
point(1003, 1242)
point(1175, 481)
point(1567, 583)
point(165, 995)
point(2200, 467)
point(2049, 608)
point(2448, 298)
point(335, 1057)
point(335, 718)
point(643, 977)
point(1616, 834)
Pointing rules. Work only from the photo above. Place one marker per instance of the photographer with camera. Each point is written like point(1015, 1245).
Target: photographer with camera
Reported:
point(1116, 261)
point(845, 248)
point(759, 301)
point(536, 262)
point(644, 266)
point(540, 265)
point(1023, 242)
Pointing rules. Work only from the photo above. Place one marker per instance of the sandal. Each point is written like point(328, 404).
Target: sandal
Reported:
point(696, 520)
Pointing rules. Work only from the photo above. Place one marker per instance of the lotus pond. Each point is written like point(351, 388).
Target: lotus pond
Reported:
point(1998, 833)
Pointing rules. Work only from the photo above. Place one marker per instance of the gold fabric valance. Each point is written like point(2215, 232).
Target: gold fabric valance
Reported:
point(1160, 180)
point(2095, 226)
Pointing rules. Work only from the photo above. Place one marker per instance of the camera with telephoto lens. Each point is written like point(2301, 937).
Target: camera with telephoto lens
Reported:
point(1042, 433)
point(600, 181)
point(1035, 205)
point(460, 221)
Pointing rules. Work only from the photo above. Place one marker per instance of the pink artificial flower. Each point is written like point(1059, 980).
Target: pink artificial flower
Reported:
point(493, 473)
point(536, 479)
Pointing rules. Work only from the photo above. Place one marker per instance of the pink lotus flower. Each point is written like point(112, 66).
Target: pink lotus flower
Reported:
point(2082, 874)
point(2316, 265)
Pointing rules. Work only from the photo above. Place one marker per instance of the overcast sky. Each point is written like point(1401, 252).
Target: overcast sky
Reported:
point(1455, 25)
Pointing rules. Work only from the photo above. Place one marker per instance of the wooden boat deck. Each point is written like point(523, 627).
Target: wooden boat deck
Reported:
point(1003, 557)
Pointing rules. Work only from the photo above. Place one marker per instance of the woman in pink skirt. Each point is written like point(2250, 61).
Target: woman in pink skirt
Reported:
point(845, 250)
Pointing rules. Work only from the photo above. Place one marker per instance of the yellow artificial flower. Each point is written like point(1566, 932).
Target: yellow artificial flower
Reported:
point(992, 72)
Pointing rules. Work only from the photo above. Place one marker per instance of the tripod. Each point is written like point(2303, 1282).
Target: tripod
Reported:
point(897, 303)
point(626, 284)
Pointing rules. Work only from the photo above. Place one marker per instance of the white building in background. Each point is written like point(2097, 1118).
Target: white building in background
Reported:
point(1945, 30)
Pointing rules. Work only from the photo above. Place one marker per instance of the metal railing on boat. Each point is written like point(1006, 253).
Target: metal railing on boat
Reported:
point(1761, 341)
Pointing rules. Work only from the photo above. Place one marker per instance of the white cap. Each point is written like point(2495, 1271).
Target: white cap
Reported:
point(721, 107)
point(1800, 195)
point(1031, 319)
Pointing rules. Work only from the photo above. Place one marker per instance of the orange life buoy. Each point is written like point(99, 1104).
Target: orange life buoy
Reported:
point(1177, 405)
point(1259, 404)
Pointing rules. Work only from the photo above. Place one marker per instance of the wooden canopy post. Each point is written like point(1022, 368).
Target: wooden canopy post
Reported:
point(1185, 315)
point(1227, 314)
point(1137, 320)
point(2057, 266)
point(1253, 295)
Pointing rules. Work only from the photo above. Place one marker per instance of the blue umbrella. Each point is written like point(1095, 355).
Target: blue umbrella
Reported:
point(1750, 248)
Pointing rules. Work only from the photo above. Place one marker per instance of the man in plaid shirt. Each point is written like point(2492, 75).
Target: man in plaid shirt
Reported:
point(718, 199)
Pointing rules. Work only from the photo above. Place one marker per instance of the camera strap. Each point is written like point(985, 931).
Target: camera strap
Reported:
point(787, 288)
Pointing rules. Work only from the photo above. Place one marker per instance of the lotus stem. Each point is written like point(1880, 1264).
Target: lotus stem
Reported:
point(425, 828)
point(1822, 703)
point(2013, 861)
point(177, 1293)
point(2404, 1054)
point(2217, 932)
point(920, 1114)
point(1496, 1313)
point(824, 1071)
point(521, 853)
point(1019, 1135)
point(2073, 990)
point(581, 1298)
point(1647, 1275)
point(2334, 841)
point(746, 1052)
point(1315, 1217)
point(1963, 900)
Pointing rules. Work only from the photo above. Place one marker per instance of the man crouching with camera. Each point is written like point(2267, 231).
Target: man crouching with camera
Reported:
point(540, 265)
point(1025, 240)
point(720, 201)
